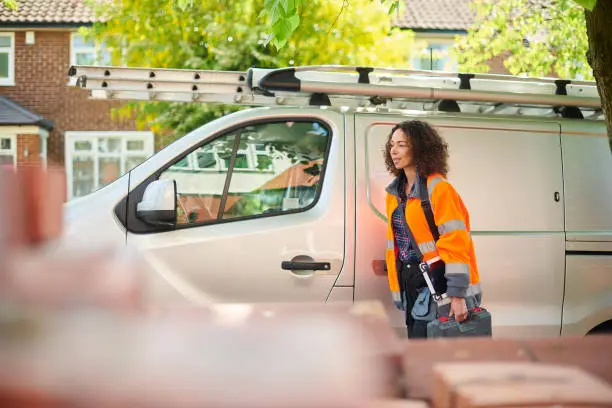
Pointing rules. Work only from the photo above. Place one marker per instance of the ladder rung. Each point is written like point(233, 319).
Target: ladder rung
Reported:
point(155, 74)
point(162, 86)
point(247, 99)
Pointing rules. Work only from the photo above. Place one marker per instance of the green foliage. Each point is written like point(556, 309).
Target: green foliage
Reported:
point(284, 19)
point(536, 41)
point(232, 35)
point(587, 4)
point(284, 16)
point(184, 4)
point(10, 4)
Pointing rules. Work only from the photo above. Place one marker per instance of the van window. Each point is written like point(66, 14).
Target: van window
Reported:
point(261, 169)
point(200, 179)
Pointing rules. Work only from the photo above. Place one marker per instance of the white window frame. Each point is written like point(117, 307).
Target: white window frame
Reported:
point(251, 154)
point(10, 81)
point(96, 49)
point(71, 137)
point(13, 150)
point(426, 41)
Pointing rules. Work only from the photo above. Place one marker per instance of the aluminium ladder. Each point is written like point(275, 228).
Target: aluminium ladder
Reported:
point(346, 86)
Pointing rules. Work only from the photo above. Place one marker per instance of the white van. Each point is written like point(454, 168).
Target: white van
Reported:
point(286, 203)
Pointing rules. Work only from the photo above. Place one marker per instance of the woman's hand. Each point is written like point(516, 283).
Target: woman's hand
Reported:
point(458, 308)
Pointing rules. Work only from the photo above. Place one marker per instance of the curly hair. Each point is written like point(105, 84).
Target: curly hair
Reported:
point(429, 150)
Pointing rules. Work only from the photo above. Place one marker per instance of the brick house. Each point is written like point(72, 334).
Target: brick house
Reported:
point(44, 120)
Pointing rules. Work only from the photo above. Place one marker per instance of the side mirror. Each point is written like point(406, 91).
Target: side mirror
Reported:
point(158, 205)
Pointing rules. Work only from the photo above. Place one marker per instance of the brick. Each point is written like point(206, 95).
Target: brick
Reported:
point(500, 385)
point(29, 275)
point(59, 281)
point(32, 218)
point(99, 360)
point(28, 149)
point(40, 194)
point(419, 357)
point(398, 403)
point(592, 353)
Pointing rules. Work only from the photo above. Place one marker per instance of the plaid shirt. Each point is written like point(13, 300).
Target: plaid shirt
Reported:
point(400, 230)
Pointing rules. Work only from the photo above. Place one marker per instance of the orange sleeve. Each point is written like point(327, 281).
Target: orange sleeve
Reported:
point(454, 244)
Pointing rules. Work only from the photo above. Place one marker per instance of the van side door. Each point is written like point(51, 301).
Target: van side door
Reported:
point(260, 211)
point(509, 175)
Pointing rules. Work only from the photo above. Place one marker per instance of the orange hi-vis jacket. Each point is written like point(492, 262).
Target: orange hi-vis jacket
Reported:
point(454, 247)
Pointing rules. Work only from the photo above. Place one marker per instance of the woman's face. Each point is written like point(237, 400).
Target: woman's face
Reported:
point(400, 149)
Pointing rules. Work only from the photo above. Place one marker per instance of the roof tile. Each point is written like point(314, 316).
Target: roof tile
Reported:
point(48, 11)
point(436, 15)
point(11, 113)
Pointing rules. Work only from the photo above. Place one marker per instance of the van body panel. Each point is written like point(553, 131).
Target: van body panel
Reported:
point(588, 293)
point(509, 178)
point(522, 281)
point(240, 261)
point(587, 173)
point(341, 294)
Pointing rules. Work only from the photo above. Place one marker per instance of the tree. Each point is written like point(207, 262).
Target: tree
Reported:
point(231, 35)
point(535, 41)
point(543, 38)
point(10, 4)
point(539, 37)
point(599, 55)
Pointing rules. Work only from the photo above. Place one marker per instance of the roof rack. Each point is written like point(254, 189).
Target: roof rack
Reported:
point(350, 86)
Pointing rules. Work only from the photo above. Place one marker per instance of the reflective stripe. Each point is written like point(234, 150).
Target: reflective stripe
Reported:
point(434, 181)
point(452, 225)
point(396, 296)
point(426, 247)
point(390, 244)
point(456, 268)
point(474, 290)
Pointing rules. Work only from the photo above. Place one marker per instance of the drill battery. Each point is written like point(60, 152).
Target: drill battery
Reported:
point(478, 323)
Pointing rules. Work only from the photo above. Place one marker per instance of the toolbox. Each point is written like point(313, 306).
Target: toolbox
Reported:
point(478, 322)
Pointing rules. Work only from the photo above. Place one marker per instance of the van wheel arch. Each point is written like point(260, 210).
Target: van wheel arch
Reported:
point(602, 328)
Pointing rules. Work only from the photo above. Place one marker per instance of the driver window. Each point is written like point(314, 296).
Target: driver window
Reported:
point(200, 178)
point(275, 168)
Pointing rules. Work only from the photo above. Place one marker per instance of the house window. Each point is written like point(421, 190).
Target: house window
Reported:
point(95, 159)
point(434, 55)
point(87, 52)
point(249, 158)
point(7, 150)
point(7, 59)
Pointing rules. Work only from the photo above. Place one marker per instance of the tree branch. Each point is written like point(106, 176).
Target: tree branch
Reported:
point(345, 4)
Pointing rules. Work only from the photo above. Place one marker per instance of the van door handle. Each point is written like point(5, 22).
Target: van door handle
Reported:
point(305, 266)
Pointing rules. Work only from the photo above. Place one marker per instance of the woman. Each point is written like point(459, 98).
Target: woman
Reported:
point(417, 156)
